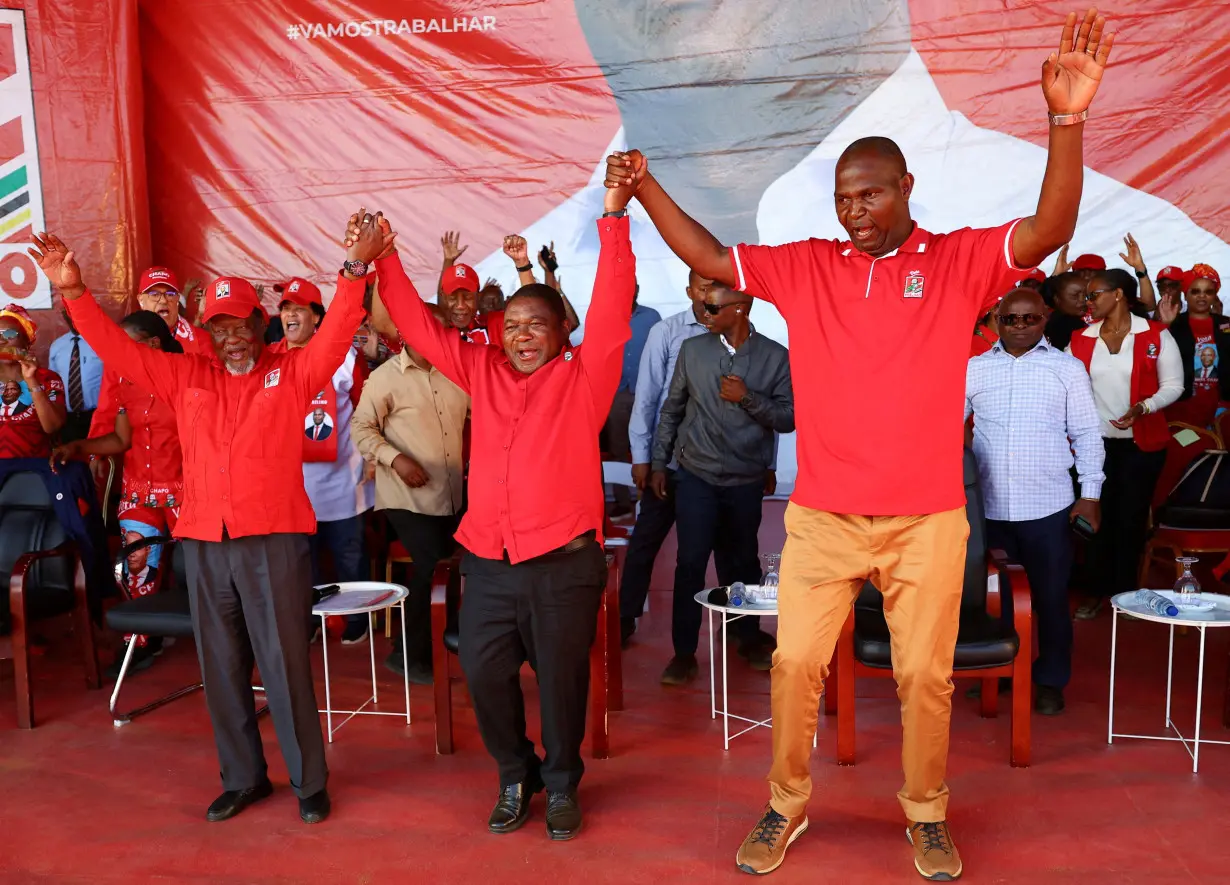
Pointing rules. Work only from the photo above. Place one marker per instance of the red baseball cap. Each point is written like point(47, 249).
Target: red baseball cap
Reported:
point(157, 276)
point(232, 297)
point(1089, 261)
point(300, 291)
point(1170, 272)
point(1035, 274)
point(460, 276)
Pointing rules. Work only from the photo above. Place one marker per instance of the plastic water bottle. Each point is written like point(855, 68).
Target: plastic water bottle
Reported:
point(737, 595)
point(1157, 603)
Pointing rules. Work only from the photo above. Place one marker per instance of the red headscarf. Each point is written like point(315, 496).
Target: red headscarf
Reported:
point(18, 314)
point(1201, 272)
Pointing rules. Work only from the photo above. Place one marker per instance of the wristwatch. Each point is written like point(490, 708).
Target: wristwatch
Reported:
point(1142, 274)
point(746, 400)
point(1069, 119)
point(526, 267)
point(618, 213)
point(355, 268)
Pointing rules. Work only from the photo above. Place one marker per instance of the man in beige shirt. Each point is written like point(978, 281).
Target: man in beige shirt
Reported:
point(410, 422)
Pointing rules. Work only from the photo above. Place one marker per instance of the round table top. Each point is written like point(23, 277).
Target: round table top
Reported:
point(764, 609)
point(367, 596)
point(1218, 617)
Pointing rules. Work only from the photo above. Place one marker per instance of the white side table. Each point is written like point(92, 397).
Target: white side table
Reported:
point(362, 598)
point(1125, 603)
point(730, 614)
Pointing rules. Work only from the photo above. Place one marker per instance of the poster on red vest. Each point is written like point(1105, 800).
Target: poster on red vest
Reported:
point(320, 427)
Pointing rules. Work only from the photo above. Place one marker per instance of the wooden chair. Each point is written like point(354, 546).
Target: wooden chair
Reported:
point(445, 607)
point(45, 579)
point(993, 640)
point(397, 554)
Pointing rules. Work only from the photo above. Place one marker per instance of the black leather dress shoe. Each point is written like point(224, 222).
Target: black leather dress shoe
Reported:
point(232, 802)
point(563, 816)
point(315, 808)
point(512, 809)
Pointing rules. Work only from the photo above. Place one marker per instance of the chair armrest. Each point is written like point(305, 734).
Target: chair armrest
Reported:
point(1013, 574)
point(21, 568)
point(446, 583)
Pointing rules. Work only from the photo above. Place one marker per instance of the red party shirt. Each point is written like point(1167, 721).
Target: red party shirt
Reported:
point(191, 338)
point(1200, 408)
point(21, 432)
point(535, 470)
point(155, 463)
point(242, 435)
point(878, 352)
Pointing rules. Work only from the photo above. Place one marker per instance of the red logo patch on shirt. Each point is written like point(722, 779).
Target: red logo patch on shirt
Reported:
point(272, 379)
point(913, 285)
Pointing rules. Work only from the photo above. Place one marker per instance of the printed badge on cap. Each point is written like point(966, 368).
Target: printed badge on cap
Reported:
point(223, 290)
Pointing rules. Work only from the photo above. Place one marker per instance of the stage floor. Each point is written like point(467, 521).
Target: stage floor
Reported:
point(81, 801)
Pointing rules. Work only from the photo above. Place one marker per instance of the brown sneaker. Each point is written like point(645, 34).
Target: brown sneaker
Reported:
point(935, 856)
point(764, 849)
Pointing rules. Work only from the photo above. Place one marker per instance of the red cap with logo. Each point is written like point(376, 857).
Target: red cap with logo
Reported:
point(1170, 272)
point(460, 276)
point(1089, 261)
point(300, 291)
point(232, 297)
point(1035, 274)
point(157, 276)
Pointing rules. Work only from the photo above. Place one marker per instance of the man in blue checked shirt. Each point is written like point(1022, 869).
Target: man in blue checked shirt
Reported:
point(1033, 408)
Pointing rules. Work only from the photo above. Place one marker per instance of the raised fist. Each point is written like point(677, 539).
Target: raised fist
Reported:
point(517, 249)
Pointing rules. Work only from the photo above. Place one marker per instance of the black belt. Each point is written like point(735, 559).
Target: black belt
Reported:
point(580, 542)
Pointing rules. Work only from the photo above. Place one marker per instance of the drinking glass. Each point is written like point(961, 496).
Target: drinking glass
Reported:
point(1187, 588)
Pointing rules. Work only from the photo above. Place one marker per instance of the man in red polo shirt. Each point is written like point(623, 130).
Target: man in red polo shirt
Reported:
point(535, 569)
point(886, 506)
point(245, 516)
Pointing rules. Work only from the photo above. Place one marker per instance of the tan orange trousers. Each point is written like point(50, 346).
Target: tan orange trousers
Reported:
point(918, 562)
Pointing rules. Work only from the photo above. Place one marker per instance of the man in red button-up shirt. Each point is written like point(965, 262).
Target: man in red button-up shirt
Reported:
point(879, 493)
point(535, 570)
point(245, 516)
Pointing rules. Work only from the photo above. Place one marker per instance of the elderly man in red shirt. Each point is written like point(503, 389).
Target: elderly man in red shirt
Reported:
point(535, 568)
point(245, 516)
point(889, 510)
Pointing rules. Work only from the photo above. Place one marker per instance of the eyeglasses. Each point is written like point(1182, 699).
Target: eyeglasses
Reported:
point(10, 334)
point(714, 309)
point(1093, 296)
point(1021, 319)
point(162, 296)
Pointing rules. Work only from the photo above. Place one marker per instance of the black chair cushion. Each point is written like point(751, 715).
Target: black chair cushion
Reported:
point(982, 641)
point(1193, 517)
point(28, 524)
point(159, 614)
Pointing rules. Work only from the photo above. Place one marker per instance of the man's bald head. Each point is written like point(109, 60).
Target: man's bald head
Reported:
point(1022, 320)
point(1023, 300)
point(877, 146)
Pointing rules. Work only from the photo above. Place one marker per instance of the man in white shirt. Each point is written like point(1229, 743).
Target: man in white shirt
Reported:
point(1033, 407)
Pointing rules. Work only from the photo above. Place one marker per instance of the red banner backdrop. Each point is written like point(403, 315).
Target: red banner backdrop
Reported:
point(85, 71)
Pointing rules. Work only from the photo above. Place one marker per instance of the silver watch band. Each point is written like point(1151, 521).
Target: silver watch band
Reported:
point(1069, 119)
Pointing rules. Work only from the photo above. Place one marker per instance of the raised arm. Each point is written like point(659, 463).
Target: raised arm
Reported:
point(518, 251)
point(607, 321)
point(1070, 80)
point(442, 347)
point(451, 244)
point(695, 246)
point(158, 372)
point(1136, 261)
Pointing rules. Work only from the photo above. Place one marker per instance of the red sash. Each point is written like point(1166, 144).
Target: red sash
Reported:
point(320, 440)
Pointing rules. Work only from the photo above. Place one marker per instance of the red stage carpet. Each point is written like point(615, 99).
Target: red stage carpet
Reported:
point(81, 801)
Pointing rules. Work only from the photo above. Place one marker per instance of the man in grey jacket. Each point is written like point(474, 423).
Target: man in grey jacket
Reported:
point(730, 392)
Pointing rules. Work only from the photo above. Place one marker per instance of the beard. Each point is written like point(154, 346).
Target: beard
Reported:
point(241, 369)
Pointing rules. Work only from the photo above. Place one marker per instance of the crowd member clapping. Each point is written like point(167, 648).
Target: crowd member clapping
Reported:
point(245, 516)
point(31, 397)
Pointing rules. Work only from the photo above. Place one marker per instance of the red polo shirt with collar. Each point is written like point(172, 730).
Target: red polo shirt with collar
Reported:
point(242, 435)
point(535, 468)
point(878, 350)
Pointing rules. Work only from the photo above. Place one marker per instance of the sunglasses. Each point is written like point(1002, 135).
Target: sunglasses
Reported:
point(1020, 319)
point(1093, 296)
point(714, 309)
point(10, 334)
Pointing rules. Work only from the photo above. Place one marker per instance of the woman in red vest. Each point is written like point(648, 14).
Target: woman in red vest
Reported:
point(1136, 372)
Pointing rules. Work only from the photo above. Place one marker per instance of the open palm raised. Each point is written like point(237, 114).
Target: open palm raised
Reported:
point(59, 263)
point(1070, 77)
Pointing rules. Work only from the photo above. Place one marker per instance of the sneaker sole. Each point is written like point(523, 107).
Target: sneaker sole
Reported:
point(362, 639)
point(745, 868)
point(938, 877)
